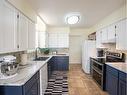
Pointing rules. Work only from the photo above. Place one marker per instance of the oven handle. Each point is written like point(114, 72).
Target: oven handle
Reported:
point(97, 71)
point(97, 62)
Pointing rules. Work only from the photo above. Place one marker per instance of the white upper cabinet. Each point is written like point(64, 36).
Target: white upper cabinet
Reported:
point(112, 33)
point(1, 25)
point(104, 35)
point(121, 35)
point(31, 35)
point(8, 31)
point(22, 32)
point(98, 39)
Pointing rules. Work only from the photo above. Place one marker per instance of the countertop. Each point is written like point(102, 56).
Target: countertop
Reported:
point(119, 66)
point(26, 72)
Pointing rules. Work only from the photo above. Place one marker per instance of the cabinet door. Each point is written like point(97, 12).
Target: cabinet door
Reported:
point(23, 32)
point(34, 90)
point(9, 28)
point(99, 39)
point(122, 87)
point(31, 35)
point(111, 84)
point(112, 33)
point(121, 32)
point(1, 26)
point(104, 35)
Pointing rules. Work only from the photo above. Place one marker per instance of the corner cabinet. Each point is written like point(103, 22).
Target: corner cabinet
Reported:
point(60, 63)
point(116, 83)
point(31, 87)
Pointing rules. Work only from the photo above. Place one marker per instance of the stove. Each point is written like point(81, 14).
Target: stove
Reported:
point(97, 66)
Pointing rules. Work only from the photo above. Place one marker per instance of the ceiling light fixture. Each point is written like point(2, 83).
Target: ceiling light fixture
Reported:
point(73, 18)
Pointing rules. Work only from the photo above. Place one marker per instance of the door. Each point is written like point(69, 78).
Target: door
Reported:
point(75, 49)
point(112, 33)
point(104, 35)
point(121, 32)
point(23, 32)
point(1, 25)
point(111, 84)
point(122, 87)
point(9, 28)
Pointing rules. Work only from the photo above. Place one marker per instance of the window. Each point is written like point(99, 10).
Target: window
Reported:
point(40, 33)
point(58, 39)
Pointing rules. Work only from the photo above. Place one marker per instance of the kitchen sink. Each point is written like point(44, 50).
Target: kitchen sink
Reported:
point(41, 59)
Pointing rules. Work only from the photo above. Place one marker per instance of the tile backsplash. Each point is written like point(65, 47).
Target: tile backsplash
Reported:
point(16, 54)
point(112, 48)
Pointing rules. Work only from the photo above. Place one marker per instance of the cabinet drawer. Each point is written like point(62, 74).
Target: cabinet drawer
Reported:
point(111, 70)
point(123, 76)
point(30, 83)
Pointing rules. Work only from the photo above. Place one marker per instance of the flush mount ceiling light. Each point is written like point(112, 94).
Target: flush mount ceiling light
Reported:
point(72, 18)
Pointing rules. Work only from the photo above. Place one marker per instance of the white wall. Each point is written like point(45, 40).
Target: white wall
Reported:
point(115, 16)
point(77, 36)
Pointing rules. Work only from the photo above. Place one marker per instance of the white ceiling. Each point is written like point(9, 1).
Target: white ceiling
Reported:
point(92, 11)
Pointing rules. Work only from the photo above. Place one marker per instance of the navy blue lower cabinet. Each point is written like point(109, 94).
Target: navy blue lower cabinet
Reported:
point(111, 84)
point(61, 63)
point(31, 87)
point(122, 83)
point(111, 81)
point(122, 87)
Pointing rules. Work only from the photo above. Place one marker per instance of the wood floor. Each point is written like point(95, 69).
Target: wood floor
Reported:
point(82, 84)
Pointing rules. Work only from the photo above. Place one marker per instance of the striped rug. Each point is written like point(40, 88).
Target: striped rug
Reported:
point(57, 84)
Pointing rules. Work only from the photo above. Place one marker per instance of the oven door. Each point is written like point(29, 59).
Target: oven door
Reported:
point(98, 66)
point(98, 77)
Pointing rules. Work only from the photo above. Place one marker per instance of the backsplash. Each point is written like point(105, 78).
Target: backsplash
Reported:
point(112, 48)
point(16, 54)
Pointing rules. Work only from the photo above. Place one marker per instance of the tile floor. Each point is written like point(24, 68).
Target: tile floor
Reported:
point(77, 83)
point(82, 84)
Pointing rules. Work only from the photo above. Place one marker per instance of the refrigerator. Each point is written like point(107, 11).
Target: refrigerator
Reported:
point(88, 50)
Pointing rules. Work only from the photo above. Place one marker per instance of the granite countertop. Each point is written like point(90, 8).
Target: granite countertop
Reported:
point(118, 65)
point(24, 73)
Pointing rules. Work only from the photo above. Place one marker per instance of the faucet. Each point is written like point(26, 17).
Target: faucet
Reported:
point(36, 56)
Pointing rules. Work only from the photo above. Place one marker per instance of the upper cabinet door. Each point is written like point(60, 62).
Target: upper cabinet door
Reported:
point(104, 35)
point(121, 33)
point(98, 39)
point(23, 32)
point(31, 35)
point(112, 33)
point(9, 28)
point(1, 25)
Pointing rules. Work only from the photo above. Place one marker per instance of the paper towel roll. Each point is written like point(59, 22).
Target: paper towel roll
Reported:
point(23, 59)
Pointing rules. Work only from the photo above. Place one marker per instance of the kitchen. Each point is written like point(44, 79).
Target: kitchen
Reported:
point(47, 48)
